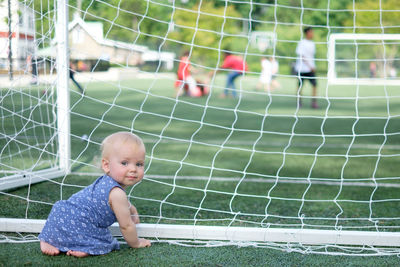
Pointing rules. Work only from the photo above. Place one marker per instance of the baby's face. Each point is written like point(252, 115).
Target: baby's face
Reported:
point(125, 164)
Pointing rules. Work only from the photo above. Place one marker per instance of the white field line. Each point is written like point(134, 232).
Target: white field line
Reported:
point(247, 143)
point(255, 180)
point(278, 144)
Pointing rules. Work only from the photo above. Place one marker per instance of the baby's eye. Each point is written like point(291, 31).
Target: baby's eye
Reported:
point(124, 163)
point(139, 164)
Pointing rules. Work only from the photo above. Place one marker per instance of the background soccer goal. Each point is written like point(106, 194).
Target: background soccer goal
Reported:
point(367, 59)
point(252, 170)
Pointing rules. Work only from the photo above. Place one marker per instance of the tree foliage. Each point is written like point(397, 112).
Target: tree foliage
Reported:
point(206, 32)
point(371, 16)
point(206, 28)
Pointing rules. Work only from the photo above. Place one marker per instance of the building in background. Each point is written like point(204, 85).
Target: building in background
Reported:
point(22, 35)
point(88, 46)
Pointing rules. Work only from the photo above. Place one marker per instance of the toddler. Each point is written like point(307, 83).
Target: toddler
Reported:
point(79, 225)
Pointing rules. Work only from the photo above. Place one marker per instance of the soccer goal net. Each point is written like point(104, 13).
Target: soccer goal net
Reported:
point(246, 151)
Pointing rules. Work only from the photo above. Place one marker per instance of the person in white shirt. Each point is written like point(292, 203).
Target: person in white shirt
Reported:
point(269, 69)
point(266, 75)
point(275, 68)
point(305, 65)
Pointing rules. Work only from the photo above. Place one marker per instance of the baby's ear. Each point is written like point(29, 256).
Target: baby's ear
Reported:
point(105, 165)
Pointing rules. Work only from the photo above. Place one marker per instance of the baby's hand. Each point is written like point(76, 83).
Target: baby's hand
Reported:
point(144, 243)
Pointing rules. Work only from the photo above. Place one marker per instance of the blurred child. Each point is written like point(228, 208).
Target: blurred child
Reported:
point(79, 225)
point(372, 70)
point(266, 75)
point(237, 67)
point(72, 71)
point(192, 87)
point(275, 68)
point(185, 76)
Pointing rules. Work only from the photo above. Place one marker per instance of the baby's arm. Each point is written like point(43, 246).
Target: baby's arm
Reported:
point(120, 205)
point(134, 214)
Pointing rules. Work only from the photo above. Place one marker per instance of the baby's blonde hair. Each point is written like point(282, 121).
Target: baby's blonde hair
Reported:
point(110, 141)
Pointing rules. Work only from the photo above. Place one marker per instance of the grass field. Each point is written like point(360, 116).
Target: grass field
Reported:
point(160, 254)
point(353, 138)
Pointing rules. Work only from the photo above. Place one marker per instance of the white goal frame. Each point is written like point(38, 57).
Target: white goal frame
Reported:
point(188, 232)
point(234, 235)
point(332, 77)
point(63, 116)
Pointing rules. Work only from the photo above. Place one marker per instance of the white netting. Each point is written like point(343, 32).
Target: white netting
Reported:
point(216, 155)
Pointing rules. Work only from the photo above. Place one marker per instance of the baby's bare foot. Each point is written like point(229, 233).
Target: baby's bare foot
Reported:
point(49, 249)
point(78, 254)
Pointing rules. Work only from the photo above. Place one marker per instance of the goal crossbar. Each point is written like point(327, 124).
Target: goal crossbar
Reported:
point(233, 234)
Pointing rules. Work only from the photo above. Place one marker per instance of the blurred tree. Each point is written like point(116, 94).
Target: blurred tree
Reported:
point(207, 32)
point(119, 18)
point(156, 23)
point(371, 16)
point(45, 13)
point(251, 12)
point(178, 25)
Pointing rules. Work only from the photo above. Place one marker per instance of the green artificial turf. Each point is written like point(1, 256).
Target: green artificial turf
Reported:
point(161, 254)
point(353, 137)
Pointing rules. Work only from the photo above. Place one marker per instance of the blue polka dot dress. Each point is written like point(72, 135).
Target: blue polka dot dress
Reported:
point(81, 222)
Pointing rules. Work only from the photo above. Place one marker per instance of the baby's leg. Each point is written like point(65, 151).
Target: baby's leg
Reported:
point(48, 249)
point(78, 254)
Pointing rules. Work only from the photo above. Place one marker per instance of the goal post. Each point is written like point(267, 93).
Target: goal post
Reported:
point(357, 40)
point(63, 101)
point(62, 131)
point(253, 170)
